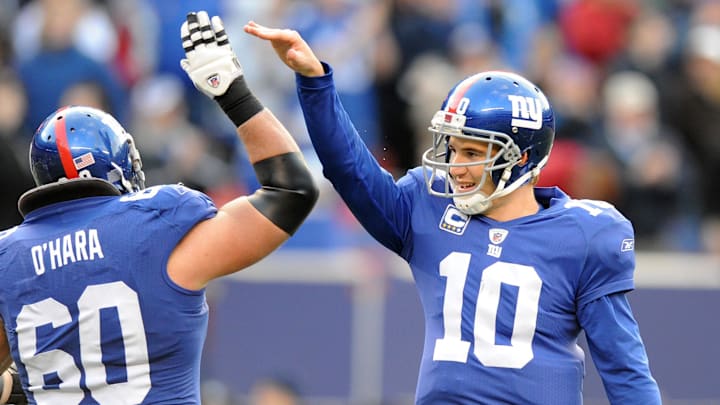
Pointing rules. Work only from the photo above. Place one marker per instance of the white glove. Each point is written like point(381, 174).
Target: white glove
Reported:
point(210, 61)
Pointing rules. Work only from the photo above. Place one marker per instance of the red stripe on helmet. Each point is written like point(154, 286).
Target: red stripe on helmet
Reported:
point(64, 148)
point(459, 92)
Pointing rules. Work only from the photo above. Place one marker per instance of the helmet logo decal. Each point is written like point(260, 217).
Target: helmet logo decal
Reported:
point(84, 161)
point(526, 112)
point(463, 105)
point(64, 149)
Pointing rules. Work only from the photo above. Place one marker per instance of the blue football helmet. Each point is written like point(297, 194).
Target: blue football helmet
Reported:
point(83, 142)
point(509, 113)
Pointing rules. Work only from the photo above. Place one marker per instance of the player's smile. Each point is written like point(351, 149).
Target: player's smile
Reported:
point(463, 186)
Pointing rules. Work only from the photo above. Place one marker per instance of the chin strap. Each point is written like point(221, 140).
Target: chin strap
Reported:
point(478, 202)
point(473, 204)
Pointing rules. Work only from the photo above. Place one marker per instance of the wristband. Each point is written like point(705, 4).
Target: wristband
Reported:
point(238, 102)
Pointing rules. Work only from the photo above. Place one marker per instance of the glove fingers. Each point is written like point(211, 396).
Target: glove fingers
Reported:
point(210, 62)
point(220, 34)
point(193, 25)
point(207, 35)
point(187, 43)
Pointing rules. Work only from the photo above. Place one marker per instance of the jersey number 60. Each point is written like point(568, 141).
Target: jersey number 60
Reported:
point(95, 298)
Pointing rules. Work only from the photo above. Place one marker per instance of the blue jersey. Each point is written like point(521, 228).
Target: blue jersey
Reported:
point(504, 302)
point(89, 310)
point(500, 299)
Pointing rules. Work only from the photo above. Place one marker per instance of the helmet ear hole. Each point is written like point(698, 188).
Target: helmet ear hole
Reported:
point(523, 159)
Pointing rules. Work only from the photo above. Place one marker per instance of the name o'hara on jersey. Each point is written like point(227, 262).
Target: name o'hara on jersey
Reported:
point(83, 245)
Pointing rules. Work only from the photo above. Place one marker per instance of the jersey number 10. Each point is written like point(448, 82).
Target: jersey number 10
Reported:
point(455, 268)
point(451, 347)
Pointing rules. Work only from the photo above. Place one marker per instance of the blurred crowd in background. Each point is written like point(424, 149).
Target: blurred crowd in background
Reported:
point(635, 86)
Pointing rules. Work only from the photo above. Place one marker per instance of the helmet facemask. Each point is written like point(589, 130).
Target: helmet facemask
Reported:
point(502, 156)
point(507, 112)
point(135, 181)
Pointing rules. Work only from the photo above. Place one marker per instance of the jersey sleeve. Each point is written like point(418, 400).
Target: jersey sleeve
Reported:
point(618, 351)
point(379, 203)
point(191, 206)
point(180, 207)
point(610, 261)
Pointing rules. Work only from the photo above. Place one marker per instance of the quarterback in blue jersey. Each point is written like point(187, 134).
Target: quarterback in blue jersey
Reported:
point(508, 274)
point(102, 285)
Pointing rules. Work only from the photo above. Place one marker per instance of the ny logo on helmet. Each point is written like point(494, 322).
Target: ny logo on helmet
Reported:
point(526, 112)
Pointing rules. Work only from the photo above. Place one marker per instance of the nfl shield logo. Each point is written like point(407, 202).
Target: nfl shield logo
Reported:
point(497, 235)
point(214, 81)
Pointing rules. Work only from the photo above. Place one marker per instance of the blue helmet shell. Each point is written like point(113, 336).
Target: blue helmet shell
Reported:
point(511, 115)
point(506, 103)
point(84, 142)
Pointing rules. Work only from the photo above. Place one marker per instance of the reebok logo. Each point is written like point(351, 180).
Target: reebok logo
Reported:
point(627, 245)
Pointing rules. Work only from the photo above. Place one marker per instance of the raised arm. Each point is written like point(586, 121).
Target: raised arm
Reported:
point(250, 227)
point(381, 205)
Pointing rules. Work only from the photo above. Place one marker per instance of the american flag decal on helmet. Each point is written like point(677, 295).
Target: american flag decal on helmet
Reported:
point(84, 161)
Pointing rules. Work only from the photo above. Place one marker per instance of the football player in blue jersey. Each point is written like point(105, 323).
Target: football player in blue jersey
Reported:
point(102, 285)
point(508, 274)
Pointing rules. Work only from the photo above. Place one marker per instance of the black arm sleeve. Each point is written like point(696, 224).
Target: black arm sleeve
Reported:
point(288, 191)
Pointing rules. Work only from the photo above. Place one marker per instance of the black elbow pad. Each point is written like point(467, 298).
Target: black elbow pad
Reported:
point(288, 192)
